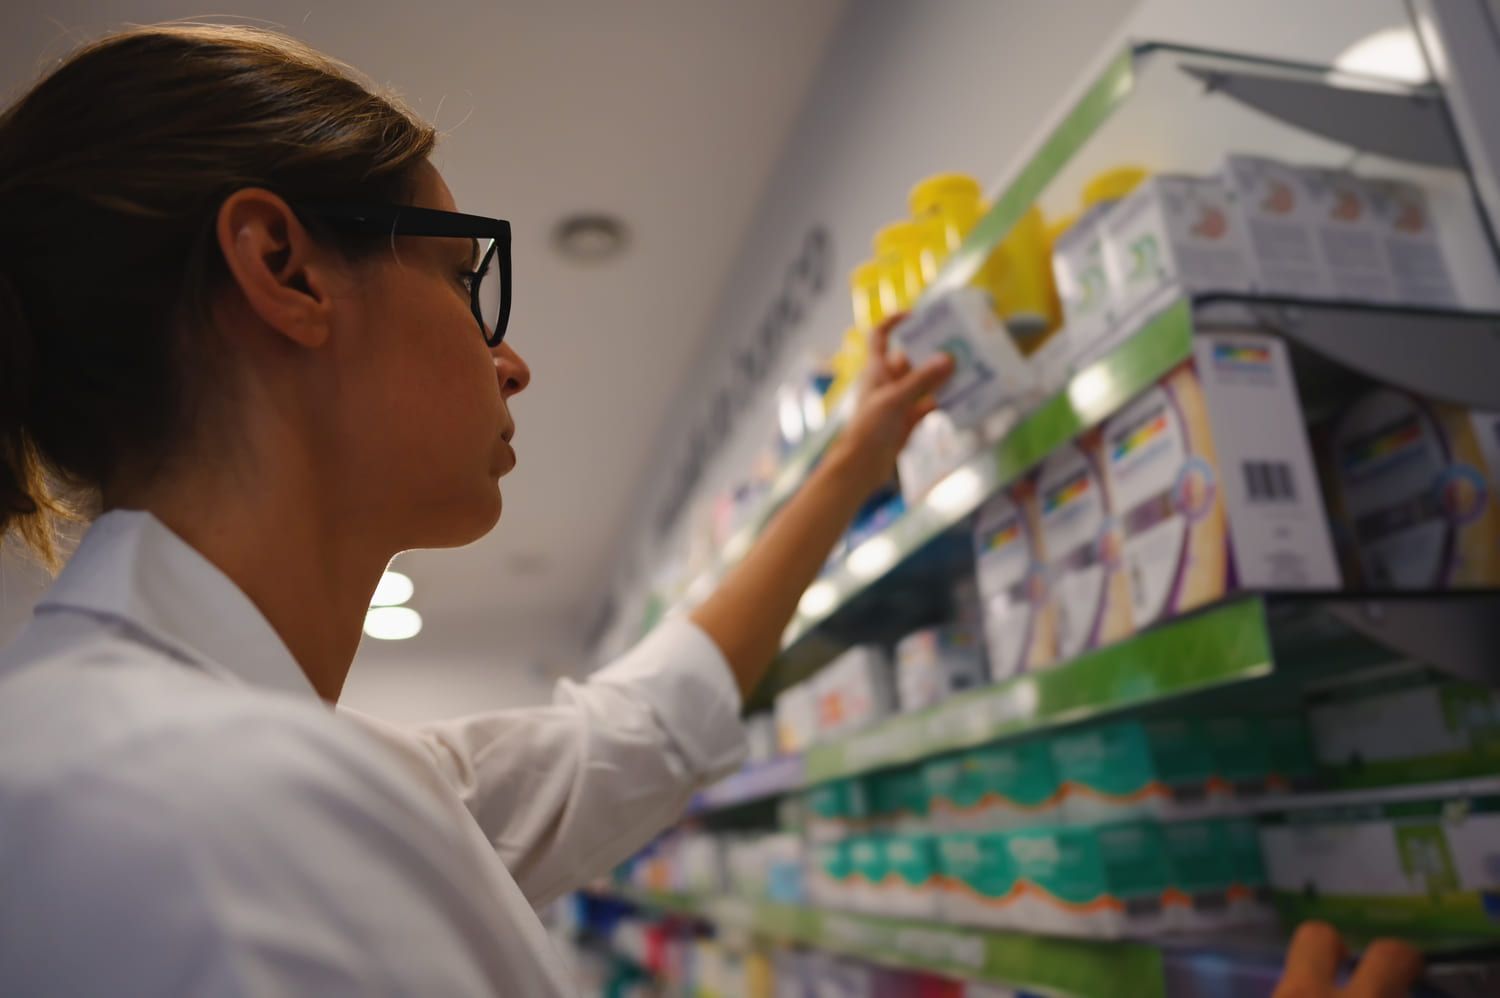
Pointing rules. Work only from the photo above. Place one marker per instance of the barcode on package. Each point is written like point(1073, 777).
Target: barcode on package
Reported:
point(1269, 481)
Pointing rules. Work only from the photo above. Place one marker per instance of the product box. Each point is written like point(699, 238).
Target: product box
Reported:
point(1090, 597)
point(796, 710)
point(934, 450)
point(994, 788)
point(838, 808)
point(1294, 767)
point(1413, 244)
point(989, 370)
point(898, 797)
point(1281, 222)
point(1175, 235)
point(936, 662)
point(854, 691)
point(1083, 287)
point(1135, 769)
point(869, 867)
point(1414, 485)
point(1241, 754)
point(1203, 875)
point(978, 880)
point(1405, 868)
point(1404, 724)
point(1109, 882)
point(829, 875)
point(1350, 237)
point(913, 878)
point(1250, 895)
point(1010, 565)
point(1212, 478)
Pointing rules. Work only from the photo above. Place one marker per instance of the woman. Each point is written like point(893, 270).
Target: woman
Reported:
point(240, 314)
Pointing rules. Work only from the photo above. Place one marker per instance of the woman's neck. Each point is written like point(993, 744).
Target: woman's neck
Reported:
point(302, 564)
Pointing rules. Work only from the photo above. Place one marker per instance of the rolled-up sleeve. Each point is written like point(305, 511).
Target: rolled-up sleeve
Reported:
point(568, 790)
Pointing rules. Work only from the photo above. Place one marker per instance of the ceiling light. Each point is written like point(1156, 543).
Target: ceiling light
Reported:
point(393, 623)
point(590, 237)
point(1390, 52)
point(395, 588)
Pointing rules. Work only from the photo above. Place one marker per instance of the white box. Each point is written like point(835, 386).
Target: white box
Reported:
point(1176, 235)
point(854, 691)
point(1083, 287)
point(796, 710)
point(935, 448)
point(1413, 244)
point(1280, 220)
point(936, 662)
point(1009, 560)
point(1350, 238)
point(989, 371)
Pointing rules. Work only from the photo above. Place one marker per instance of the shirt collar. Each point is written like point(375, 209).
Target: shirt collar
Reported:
point(130, 567)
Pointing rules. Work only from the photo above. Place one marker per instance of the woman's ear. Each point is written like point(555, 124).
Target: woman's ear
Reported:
point(282, 275)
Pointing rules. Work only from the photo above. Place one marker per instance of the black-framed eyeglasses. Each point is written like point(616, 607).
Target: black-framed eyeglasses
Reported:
point(489, 293)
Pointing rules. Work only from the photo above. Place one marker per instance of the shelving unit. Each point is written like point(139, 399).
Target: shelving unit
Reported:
point(1158, 105)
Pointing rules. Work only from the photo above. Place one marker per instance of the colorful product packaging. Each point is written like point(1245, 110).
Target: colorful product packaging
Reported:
point(1108, 882)
point(1019, 622)
point(936, 662)
point(838, 808)
point(899, 797)
point(1281, 222)
point(1086, 583)
point(1212, 478)
point(1404, 724)
point(830, 875)
point(1174, 235)
point(796, 711)
point(1134, 769)
point(994, 788)
point(869, 867)
point(854, 691)
point(1351, 239)
point(1203, 875)
point(1406, 867)
point(1413, 244)
point(978, 880)
point(913, 878)
point(1414, 485)
point(1250, 895)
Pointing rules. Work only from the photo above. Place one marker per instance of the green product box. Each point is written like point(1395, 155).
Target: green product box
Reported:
point(1241, 755)
point(831, 872)
point(838, 808)
point(1202, 874)
point(1108, 882)
point(1134, 769)
point(1405, 724)
point(1294, 766)
point(978, 880)
point(898, 797)
point(913, 881)
point(1250, 897)
point(1413, 867)
point(868, 869)
point(997, 787)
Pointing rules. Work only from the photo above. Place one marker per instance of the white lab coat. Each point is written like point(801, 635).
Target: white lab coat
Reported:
point(181, 815)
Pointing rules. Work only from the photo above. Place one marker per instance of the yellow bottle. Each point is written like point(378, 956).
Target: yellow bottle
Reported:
point(1112, 185)
point(953, 199)
point(902, 241)
point(1025, 295)
point(864, 289)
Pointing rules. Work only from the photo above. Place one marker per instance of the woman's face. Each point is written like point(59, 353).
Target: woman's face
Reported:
point(429, 434)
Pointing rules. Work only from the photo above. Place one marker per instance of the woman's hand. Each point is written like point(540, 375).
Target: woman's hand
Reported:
point(892, 399)
point(1388, 968)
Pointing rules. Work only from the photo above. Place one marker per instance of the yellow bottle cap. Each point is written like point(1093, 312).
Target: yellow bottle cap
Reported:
point(865, 275)
point(894, 237)
point(1112, 185)
point(933, 191)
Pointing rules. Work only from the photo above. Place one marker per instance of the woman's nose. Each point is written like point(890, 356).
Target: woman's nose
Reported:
point(512, 371)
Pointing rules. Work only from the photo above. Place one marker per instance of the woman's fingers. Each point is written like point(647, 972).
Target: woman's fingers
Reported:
point(917, 384)
point(1312, 962)
point(1387, 969)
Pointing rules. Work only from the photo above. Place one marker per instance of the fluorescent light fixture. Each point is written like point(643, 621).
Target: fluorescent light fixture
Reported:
point(394, 589)
point(873, 558)
point(820, 598)
point(957, 494)
point(393, 623)
point(1390, 52)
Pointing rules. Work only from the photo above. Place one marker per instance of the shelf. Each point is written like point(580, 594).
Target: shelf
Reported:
point(1300, 636)
point(769, 779)
point(1083, 968)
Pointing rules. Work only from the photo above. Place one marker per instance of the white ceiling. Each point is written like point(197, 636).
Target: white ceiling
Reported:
point(669, 113)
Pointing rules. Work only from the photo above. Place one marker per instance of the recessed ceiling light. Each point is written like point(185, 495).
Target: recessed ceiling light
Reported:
point(590, 237)
point(394, 588)
point(1394, 53)
point(393, 623)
